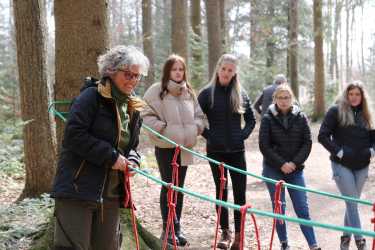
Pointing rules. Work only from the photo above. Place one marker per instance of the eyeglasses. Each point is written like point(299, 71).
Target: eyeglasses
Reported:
point(283, 98)
point(131, 76)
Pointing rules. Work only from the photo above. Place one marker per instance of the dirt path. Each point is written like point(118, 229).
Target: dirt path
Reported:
point(199, 217)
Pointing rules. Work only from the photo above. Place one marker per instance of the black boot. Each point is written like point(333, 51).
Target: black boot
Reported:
point(170, 236)
point(361, 244)
point(344, 242)
point(179, 234)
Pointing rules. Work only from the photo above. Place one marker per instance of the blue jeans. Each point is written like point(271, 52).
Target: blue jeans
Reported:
point(350, 183)
point(299, 201)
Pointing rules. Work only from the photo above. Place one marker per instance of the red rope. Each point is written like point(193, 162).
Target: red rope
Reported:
point(243, 211)
point(277, 210)
point(170, 220)
point(172, 200)
point(373, 221)
point(128, 202)
point(222, 185)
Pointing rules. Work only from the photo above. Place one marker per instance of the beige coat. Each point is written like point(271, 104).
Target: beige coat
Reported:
point(177, 116)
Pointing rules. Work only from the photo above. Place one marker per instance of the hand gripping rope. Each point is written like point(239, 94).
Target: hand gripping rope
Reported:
point(129, 203)
point(172, 200)
point(277, 210)
point(222, 185)
point(243, 211)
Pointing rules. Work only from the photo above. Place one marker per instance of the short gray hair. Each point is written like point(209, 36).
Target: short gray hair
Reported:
point(121, 57)
point(279, 79)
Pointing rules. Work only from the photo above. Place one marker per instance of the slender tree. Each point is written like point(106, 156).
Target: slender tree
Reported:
point(319, 105)
point(147, 38)
point(196, 24)
point(179, 32)
point(213, 33)
point(38, 135)
point(293, 46)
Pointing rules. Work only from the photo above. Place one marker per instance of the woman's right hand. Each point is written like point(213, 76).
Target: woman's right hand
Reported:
point(120, 163)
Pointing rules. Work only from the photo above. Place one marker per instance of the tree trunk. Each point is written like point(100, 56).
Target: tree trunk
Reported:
point(213, 34)
point(196, 49)
point(179, 33)
point(319, 105)
point(39, 137)
point(223, 28)
point(254, 28)
point(293, 46)
point(333, 69)
point(147, 39)
point(81, 36)
point(347, 37)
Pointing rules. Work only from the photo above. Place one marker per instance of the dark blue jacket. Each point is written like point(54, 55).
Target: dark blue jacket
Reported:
point(225, 133)
point(282, 141)
point(354, 140)
point(89, 147)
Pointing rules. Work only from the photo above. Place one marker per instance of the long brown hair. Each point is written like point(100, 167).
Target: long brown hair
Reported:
point(346, 116)
point(171, 60)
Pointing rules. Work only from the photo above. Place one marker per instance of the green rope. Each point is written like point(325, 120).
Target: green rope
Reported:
point(296, 187)
point(256, 211)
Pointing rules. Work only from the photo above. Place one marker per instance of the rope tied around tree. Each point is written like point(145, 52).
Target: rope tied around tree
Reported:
point(128, 202)
point(243, 211)
point(222, 186)
point(277, 208)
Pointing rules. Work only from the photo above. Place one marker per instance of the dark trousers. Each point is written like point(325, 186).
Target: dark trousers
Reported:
point(237, 160)
point(164, 158)
point(79, 225)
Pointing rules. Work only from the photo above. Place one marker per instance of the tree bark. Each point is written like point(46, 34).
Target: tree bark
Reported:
point(179, 33)
point(223, 25)
point(254, 28)
point(333, 70)
point(81, 36)
point(293, 46)
point(196, 49)
point(39, 135)
point(319, 105)
point(213, 34)
point(148, 39)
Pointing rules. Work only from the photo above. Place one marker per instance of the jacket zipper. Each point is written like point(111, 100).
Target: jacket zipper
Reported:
point(77, 175)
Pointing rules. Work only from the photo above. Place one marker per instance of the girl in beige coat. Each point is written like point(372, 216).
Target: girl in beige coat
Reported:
point(174, 112)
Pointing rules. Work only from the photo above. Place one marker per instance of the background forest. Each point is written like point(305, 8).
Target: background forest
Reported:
point(47, 47)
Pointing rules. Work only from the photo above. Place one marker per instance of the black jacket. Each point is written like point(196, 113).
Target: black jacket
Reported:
point(355, 140)
point(89, 147)
point(282, 141)
point(225, 133)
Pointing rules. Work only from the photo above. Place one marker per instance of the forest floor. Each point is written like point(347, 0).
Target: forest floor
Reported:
point(199, 219)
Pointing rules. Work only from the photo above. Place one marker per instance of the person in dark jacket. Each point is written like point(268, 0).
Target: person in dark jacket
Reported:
point(225, 103)
point(285, 142)
point(101, 137)
point(347, 132)
point(262, 103)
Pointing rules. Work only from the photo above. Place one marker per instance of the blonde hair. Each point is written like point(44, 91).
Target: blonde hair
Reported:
point(235, 95)
point(346, 116)
point(283, 88)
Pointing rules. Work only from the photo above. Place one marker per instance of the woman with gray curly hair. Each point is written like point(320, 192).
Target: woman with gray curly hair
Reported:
point(101, 137)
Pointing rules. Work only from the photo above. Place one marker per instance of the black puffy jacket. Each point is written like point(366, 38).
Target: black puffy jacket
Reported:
point(225, 133)
point(89, 147)
point(282, 142)
point(355, 140)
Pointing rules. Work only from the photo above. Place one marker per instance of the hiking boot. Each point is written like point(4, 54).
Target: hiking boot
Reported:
point(284, 246)
point(169, 239)
point(225, 239)
point(345, 242)
point(236, 243)
point(179, 234)
point(361, 244)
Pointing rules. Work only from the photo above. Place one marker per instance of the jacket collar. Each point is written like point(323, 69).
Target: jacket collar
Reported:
point(275, 112)
point(104, 89)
